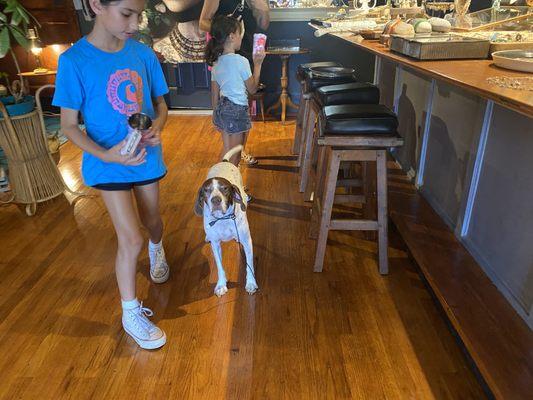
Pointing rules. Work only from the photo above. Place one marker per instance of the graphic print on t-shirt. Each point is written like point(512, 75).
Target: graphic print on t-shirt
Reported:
point(125, 91)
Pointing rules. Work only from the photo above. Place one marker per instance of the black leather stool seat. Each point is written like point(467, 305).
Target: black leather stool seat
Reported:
point(303, 68)
point(347, 93)
point(315, 83)
point(358, 119)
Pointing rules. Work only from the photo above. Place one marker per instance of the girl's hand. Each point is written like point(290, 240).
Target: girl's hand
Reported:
point(259, 57)
point(113, 155)
point(151, 136)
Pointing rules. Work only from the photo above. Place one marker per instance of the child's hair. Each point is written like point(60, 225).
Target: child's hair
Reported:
point(87, 9)
point(221, 27)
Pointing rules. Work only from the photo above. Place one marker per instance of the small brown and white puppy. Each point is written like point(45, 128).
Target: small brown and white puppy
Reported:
point(222, 202)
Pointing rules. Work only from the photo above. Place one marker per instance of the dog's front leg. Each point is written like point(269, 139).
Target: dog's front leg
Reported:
point(251, 284)
point(221, 288)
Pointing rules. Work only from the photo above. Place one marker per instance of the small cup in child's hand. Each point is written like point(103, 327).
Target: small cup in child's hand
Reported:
point(259, 42)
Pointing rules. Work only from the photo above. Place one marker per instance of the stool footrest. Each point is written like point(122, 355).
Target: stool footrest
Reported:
point(353, 225)
point(349, 198)
point(361, 141)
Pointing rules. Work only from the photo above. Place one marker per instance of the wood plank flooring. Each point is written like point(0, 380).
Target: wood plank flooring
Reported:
point(347, 333)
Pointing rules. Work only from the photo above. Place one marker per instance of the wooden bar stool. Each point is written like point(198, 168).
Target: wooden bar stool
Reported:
point(301, 72)
point(316, 78)
point(353, 133)
point(346, 93)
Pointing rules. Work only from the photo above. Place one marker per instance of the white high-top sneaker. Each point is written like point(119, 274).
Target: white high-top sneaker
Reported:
point(141, 329)
point(159, 270)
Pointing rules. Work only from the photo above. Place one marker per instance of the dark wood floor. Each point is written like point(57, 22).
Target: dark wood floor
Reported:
point(346, 333)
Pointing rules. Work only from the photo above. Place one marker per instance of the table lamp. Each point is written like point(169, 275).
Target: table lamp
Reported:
point(36, 47)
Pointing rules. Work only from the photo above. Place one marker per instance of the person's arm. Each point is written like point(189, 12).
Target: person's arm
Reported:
point(215, 94)
point(261, 12)
point(152, 136)
point(71, 129)
point(253, 82)
point(208, 12)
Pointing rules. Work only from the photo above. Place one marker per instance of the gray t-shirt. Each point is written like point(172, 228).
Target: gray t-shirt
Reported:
point(230, 72)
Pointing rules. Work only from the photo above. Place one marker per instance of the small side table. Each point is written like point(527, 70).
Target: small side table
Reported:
point(25, 76)
point(284, 98)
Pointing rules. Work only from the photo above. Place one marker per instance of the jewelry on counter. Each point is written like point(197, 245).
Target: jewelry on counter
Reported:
point(439, 6)
point(193, 50)
point(518, 83)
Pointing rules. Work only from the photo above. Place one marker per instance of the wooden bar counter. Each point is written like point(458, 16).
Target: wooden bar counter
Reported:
point(466, 210)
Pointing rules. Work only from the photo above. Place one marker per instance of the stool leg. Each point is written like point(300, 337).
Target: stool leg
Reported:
point(369, 191)
point(299, 122)
point(313, 167)
point(326, 208)
point(299, 136)
point(262, 104)
point(382, 212)
point(307, 148)
point(318, 190)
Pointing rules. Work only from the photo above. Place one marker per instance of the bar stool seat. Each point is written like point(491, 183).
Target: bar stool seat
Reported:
point(358, 134)
point(358, 119)
point(352, 96)
point(347, 93)
point(303, 68)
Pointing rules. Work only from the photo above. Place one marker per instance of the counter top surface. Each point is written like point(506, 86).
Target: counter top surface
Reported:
point(469, 74)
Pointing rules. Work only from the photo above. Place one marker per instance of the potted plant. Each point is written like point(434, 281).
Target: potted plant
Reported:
point(14, 21)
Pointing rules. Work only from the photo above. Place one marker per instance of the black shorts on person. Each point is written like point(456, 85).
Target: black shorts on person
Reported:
point(125, 185)
point(230, 117)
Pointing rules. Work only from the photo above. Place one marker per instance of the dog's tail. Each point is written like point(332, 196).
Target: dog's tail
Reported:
point(232, 152)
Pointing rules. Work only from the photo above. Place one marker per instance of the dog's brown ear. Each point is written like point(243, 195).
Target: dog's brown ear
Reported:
point(199, 203)
point(238, 197)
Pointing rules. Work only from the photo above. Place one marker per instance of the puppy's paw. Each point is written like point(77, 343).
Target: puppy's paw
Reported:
point(221, 289)
point(251, 287)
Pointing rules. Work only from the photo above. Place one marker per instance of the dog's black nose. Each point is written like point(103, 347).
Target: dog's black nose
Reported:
point(216, 200)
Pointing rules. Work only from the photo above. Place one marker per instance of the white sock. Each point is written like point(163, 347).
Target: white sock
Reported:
point(155, 246)
point(130, 304)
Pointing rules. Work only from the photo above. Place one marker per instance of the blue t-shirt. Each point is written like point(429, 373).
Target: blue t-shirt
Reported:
point(106, 88)
point(230, 72)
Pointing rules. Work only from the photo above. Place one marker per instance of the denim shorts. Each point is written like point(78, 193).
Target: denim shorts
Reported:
point(230, 117)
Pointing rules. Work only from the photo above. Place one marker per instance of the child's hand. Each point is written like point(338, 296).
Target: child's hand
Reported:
point(259, 57)
point(151, 136)
point(113, 156)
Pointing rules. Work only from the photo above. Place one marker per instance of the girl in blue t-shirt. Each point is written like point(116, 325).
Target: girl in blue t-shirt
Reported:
point(107, 76)
point(231, 79)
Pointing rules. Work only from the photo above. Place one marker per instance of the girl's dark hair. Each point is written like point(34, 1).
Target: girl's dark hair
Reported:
point(87, 9)
point(221, 27)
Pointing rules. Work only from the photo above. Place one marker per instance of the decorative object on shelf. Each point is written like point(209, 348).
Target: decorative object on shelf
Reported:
point(461, 11)
point(364, 5)
point(517, 83)
point(441, 6)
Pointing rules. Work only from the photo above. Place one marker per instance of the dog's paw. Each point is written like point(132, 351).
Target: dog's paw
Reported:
point(221, 290)
point(251, 287)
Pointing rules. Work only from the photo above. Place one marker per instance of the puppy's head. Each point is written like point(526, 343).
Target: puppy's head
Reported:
point(218, 194)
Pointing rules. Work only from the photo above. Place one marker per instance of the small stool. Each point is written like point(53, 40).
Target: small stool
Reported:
point(316, 78)
point(301, 71)
point(259, 97)
point(347, 93)
point(354, 133)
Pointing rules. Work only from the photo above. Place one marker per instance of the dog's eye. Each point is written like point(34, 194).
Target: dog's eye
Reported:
point(225, 189)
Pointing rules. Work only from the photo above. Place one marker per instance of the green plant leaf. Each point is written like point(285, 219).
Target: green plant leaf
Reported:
point(4, 42)
point(20, 37)
point(16, 18)
point(23, 14)
point(3, 17)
